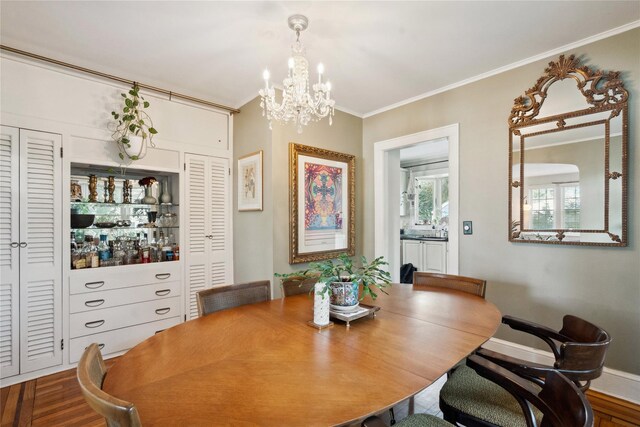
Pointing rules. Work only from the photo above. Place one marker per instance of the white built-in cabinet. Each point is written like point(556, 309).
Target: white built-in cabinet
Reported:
point(208, 234)
point(30, 251)
point(425, 255)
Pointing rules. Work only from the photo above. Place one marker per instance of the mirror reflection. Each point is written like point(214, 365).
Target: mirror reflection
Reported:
point(568, 159)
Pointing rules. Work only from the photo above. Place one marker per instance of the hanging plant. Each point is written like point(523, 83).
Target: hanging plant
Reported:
point(134, 130)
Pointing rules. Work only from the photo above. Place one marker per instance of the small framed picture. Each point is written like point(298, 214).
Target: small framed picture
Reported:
point(322, 204)
point(250, 182)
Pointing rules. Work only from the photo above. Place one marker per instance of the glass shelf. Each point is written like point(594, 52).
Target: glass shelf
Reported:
point(123, 228)
point(117, 204)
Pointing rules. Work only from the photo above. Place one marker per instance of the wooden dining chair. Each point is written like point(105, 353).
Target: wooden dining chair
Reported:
point(229, 296)
point(579, 349)
point(450, 281)
point(515, 401)
point(297, 285)
point(91, 372)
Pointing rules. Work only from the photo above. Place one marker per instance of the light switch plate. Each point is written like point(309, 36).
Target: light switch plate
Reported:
point(467, 227)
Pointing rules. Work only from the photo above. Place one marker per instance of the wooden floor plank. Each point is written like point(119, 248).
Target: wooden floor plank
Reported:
point(26, 407)
point(11, 405)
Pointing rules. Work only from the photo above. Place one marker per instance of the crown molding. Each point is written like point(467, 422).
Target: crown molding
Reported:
point(561, 49)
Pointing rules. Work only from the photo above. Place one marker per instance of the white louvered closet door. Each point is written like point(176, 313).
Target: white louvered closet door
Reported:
point(9, 252)
point(41, 250)
point(208, 226)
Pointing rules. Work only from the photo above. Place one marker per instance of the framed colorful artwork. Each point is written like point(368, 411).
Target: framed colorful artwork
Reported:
point(250, 182)
point(322, 204)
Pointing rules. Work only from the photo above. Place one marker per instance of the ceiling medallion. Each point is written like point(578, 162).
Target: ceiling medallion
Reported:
point(298, 105)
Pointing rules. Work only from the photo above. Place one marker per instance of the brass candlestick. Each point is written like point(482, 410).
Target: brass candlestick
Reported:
point(126, 193)
point(93, 188)
point(112, 188)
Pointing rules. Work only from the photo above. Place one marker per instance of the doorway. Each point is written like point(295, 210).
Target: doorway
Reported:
point(387, 176)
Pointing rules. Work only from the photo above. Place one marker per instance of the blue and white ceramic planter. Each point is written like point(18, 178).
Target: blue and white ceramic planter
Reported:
point(344, 295)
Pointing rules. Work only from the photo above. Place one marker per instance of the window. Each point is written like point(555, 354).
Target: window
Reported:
point(432, 199)
point(554, 206)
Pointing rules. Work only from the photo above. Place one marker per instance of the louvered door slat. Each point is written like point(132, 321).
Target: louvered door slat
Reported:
point(40, 260)
point(219, 205)
point(9, 257)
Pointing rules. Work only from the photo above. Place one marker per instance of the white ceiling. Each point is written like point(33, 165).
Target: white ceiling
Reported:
point(376, 54)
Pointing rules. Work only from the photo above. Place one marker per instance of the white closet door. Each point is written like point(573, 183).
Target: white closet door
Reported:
point(197, 213)
point(9, 252)
point(41, 250)
point(208, 227)
point(219, 230)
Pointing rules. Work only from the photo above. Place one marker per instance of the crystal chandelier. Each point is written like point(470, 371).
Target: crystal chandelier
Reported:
point(298, 105)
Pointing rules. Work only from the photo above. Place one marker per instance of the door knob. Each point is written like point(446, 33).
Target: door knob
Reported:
point(23, 244)
point(15, 244)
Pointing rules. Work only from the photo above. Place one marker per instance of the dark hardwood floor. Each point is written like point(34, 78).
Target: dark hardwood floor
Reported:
point(53, 400)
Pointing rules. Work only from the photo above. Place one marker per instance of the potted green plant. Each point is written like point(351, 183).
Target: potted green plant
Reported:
point(134, 130)
point(338, 281)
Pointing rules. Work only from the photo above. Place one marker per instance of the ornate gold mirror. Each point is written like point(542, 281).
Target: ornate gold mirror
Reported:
point(568, 158)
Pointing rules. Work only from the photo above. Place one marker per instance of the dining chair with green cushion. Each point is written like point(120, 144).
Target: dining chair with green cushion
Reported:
point(579, 348)
point(91, 372)
point(516, 401)
point(450, 281)
point(297, 285)
point(229, 296)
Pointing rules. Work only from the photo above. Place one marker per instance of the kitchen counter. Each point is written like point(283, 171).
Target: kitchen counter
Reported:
point(424, 238)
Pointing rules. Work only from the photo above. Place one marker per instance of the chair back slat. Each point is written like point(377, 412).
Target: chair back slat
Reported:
point(297, 285)
point(585, 354)
point(450, 281)
point(91, 372)
point(229, 296)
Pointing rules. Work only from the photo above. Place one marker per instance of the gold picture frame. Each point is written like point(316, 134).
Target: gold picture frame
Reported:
point(250, 182)
point(321, 202)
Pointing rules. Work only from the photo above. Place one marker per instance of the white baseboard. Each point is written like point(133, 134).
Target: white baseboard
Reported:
point(612, 382)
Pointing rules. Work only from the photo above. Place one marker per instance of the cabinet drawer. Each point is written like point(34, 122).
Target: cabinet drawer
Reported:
point(120, 339)
point(107, 278)
point(92, 322)
point(105, 299)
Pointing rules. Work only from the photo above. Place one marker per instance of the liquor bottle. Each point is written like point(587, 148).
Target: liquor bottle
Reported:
point(103, 249)
point(153, 247)
point(74, 250)
point(90, 252)
point(160, 247)
point(145, 256)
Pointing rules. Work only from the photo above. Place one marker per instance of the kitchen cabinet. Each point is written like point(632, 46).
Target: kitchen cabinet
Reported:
point(30, 256)
point(425, 255)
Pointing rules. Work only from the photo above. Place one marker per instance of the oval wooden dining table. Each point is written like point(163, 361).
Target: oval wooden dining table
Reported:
point(261, 364)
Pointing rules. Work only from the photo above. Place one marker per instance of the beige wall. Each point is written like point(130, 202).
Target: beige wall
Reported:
point(537, 282)
point(252, 230)
point(261, 239)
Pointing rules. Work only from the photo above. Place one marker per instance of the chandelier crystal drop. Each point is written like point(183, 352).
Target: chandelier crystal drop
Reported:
point(298, 105)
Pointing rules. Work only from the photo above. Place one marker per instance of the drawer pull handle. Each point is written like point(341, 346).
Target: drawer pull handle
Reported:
point(163, 276)
point(163, 292)
point(94, 324)
point(94, 285)
point(163, 310)
point(94, 303)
